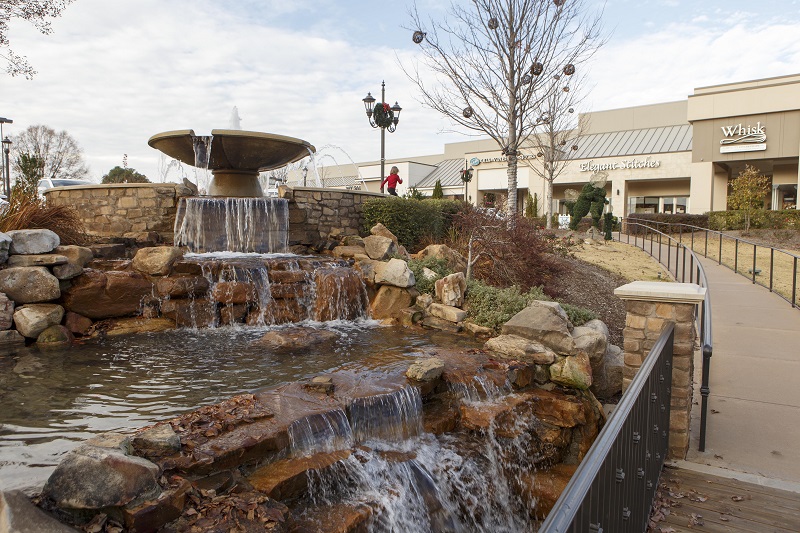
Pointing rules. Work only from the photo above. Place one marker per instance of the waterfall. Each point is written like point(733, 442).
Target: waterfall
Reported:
point(258, 225)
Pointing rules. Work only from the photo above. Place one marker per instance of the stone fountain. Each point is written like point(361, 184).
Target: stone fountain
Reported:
point(234, 216)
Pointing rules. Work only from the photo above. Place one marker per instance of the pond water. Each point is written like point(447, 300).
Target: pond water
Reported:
point(50, 401)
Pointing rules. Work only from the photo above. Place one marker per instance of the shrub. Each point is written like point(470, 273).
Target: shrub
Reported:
point(656, 219)
point(735, 220)
point(438, 192)
point(505, 251)
point(532, 206)
point(578, 315)
point(492, 307)
point(438, 265)
point(411, 220)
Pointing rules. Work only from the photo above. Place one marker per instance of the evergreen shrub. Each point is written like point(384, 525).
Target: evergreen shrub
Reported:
point(411, 220)
point(438, 265)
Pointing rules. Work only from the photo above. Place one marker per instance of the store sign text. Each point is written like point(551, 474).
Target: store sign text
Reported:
point(502, 159)
point(591, 166)
point(739, 138)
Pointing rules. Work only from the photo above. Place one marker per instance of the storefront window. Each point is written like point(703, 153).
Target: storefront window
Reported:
point(658, 204)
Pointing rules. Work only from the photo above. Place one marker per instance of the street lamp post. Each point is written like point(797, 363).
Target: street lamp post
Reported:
point(6, 178)
point(386, 122)
point(6, 149)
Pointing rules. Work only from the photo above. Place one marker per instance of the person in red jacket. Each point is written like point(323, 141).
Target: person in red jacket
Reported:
point(391, 181)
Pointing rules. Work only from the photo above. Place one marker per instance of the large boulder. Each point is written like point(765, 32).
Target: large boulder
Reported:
point(27, 285)
point(379, 247)
point(545, 322)
point(428, 369)
point(56, 336)
point(179, 287)
point(157, 260)
point(450, 290)
point(6, 311)
point(67, 271)
point(607, 377)
point(114, 327)
point(383, 231)
point(573, 371)
point(396, 273)
point(5, 245)
point(19, 515)
point(33, 319)
point(521, 349)
point(295, 338)
point(47, 260)
point(91, 477)
point(98, 294)
point(592, 341)
point(447, 312)
point(390, 301)
point(156, 441)
point(455, 261)
point(79, 255)
point(33, 241)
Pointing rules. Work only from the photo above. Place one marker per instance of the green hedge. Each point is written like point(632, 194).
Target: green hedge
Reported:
point(701, 221)
point(761, 218)
point(411, 220)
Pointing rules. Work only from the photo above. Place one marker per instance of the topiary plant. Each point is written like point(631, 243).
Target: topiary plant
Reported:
point(591, 201)
point(437, 193)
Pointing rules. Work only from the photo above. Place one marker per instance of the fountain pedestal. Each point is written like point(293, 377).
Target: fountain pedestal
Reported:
point(235, 183)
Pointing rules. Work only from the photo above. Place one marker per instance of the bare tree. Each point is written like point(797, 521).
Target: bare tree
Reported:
point(61, 154)
point(34, 11)
point(558, 135)
point(493, 62)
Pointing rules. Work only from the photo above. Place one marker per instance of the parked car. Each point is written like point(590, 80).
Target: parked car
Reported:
point(49, 183)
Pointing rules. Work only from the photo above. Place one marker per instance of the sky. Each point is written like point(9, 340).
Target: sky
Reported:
point(115, 72)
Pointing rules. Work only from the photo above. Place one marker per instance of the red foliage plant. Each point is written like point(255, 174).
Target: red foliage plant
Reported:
point(506, 251)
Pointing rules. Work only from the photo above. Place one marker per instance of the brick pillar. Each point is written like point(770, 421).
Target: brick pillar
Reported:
point(650, 306)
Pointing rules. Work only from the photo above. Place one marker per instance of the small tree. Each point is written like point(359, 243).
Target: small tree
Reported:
point(124, 175)
point(491, 62)
point(748, 192)
point(438, 193)
point(532, 206)
point(26, 186)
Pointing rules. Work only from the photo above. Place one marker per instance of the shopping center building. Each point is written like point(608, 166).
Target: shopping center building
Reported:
point(674, 157)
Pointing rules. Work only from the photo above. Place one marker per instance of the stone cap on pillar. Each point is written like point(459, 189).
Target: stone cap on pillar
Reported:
point(659, 291)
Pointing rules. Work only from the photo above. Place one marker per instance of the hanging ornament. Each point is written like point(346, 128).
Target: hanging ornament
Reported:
point(467, 112)
point(571, 110)
point(569, 69)
point(526, 79)
point(418, 37)
point(574, 146)
point(544, 119)
point(566, 89)
point(559, 3)
point(563, 143)
point(556, 77)
point(493, 24)
point(540, 154)
point(537, 68)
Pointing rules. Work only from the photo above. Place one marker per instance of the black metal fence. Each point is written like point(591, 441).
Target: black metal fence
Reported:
point(770, 267)
point(676, 257)
point(612, 490)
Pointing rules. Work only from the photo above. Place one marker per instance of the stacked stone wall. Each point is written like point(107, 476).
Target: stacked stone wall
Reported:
point(130, 210)
point(316, 215)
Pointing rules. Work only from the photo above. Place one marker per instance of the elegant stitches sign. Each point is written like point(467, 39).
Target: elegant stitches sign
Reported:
point(634, 163)
point(740, 138)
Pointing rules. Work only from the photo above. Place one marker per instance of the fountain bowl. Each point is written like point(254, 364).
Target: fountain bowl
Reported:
point(235, 156)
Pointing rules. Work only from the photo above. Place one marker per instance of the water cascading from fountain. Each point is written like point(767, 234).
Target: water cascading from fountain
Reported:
point(259, 225)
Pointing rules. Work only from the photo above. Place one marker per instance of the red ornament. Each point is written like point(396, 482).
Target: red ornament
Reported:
point(386, 107)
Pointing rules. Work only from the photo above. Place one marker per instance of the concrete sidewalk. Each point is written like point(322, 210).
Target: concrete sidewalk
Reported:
point(754, 405)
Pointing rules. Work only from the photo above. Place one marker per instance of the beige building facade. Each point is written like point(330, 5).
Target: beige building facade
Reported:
point(674, 157)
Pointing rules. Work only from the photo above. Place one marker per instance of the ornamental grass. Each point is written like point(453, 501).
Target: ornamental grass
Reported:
point(24, 212)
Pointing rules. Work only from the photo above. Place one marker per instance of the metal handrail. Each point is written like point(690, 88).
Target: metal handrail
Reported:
point(753, 272)
point(624, 463)
point(697, 274)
